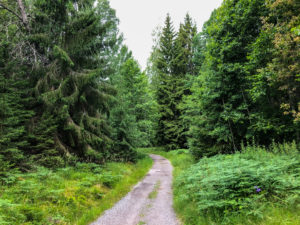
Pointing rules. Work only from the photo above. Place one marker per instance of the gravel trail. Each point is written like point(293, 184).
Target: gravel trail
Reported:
point(149, 202)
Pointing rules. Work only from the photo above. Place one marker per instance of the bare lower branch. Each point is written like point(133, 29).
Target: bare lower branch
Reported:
point(11, 11)
point(23, 13)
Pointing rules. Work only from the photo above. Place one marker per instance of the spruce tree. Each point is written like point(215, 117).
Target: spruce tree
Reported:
point(14, 117)
point(15, 99)
point(184, 47)
point(184, 71)
point(74, 87)
point(66, 46)
point(166, 88)
point(173, 64)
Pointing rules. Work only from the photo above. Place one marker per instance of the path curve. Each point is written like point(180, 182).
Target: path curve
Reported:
point(149, 202)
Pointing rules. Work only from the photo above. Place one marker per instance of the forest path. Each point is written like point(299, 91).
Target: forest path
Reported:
point(149, 202)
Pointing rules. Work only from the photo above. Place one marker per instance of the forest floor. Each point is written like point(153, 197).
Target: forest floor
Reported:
point(76, 194)
point(149, 202)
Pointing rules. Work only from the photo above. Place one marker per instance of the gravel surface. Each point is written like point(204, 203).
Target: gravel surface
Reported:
point(149, 202)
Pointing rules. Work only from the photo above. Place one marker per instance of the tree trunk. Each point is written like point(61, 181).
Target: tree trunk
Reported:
point(23, 14)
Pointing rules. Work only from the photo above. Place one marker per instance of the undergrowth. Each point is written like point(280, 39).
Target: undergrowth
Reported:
point(258, 186)
point(253, 187)
point(72, 195)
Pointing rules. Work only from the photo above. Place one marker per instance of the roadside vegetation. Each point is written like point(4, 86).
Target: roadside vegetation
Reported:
point(75, 105)
point(230, 96)
point(254, 186)
point(71, 195)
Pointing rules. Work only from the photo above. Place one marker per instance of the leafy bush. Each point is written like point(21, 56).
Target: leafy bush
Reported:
point(227, 186)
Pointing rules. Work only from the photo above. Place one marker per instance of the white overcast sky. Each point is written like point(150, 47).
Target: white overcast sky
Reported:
point(138, 19)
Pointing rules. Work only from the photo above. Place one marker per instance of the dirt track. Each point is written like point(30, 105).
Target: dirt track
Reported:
point(149, 202)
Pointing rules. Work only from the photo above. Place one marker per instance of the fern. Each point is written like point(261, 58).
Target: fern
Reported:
point(242, 183)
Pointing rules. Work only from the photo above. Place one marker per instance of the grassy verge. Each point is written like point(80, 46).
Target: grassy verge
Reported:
point(72, 195)
point(255, 187)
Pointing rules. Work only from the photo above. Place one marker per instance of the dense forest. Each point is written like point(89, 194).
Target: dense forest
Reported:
point(73, 96)
point(70, 90)
point(235, 82)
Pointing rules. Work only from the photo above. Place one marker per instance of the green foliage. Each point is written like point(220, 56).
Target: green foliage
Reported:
point(61, 55)
point(247, 85)
point(15, 112)
point(70, 92)
point(133, 111)
point(55, 84)
point(70, 195)
point(171, 64)
point(166, 86)
point(219, 189)
point(230, 102)
point(273, 69)
point(184, 71)
point(74, 89)
point(240, 93)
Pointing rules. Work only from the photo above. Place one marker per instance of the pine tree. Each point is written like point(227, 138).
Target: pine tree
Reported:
point(173, 63)
point(184, 71)
point(184, 47)
point(67, 46)
point(74, 87)
point(167, 124)
point(15, 98)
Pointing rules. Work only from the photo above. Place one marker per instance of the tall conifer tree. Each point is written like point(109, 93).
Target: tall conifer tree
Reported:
point(74, 88)
point(66, 45)
point(184, 70)
point(166, 87)
point(15, 99)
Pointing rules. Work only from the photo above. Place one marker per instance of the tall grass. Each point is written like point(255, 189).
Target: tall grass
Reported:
point(72, 195)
